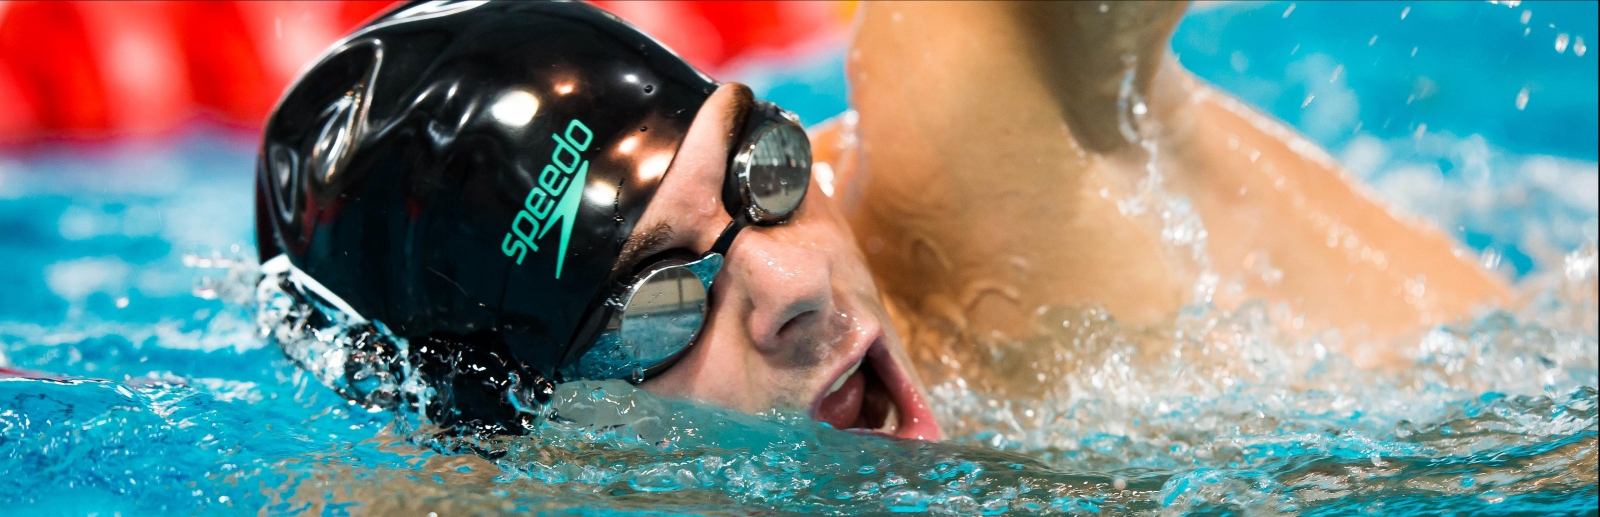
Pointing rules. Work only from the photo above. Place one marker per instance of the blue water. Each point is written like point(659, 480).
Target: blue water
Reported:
point(167, 401)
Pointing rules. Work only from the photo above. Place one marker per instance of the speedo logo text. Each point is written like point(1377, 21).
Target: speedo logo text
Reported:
point(554, 199)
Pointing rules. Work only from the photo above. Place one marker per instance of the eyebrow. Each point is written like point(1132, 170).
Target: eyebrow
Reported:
point(657, 238)
point(736, 112)
point(639, 245)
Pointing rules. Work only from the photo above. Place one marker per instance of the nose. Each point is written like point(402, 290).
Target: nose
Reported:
point(788, 289)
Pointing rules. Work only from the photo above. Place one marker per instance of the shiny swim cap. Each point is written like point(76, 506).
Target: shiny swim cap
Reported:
point(465, 174)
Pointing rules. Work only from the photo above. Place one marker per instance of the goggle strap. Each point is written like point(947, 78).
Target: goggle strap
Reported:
point(725, 240)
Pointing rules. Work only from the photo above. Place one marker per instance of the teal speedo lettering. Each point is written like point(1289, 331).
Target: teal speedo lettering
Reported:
point(554, 198)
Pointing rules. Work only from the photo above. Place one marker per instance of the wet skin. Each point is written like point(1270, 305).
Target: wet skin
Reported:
point(981, 182)
point(984, 176)
point(795, 315)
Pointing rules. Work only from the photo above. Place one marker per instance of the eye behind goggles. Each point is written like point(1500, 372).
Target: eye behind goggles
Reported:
point(770, 170)
point(659, 312)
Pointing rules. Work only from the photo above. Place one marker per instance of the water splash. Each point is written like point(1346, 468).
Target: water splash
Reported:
point(1213, 411)
point(1248, 418)
point(361, 360)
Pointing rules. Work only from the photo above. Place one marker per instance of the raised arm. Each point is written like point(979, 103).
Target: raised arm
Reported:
point(1010, 156)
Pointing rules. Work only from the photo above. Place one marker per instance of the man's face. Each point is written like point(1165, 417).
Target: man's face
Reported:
point(795, 320)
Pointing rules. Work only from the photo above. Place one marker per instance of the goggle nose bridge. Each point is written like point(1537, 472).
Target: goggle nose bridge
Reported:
point(613, 354)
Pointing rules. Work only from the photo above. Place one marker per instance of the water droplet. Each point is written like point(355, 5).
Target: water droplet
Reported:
point(1491, 259)
point(1522, 99)
point(1561, 43)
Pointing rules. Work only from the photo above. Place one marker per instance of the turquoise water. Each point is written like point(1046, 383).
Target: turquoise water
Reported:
point(118, 269)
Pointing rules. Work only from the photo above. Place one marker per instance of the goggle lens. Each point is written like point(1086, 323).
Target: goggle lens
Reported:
point(666, 311)
point(662, 313)
point(779, 170)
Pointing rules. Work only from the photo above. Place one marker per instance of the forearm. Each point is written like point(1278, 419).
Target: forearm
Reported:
point(981, 201)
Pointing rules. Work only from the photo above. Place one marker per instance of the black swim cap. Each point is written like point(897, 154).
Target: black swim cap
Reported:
point(465, 173)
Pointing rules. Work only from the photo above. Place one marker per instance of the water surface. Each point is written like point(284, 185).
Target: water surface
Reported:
point(162, 397)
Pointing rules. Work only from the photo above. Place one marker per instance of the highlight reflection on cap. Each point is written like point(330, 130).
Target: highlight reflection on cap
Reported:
point(469, 170)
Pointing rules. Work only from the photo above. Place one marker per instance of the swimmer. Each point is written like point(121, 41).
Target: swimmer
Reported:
point(530, 193)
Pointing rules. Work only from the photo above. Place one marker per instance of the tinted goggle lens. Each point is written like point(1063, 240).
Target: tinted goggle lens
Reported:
point(663, 310)
point(663, 316)
point(778, 171)
point(662, 313)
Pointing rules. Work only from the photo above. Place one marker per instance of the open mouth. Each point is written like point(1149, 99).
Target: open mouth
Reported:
point(875, 396)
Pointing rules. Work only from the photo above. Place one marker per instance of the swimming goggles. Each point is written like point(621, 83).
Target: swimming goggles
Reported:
point(657, 313)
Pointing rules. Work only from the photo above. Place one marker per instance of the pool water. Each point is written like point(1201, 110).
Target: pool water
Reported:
point(125, 270)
